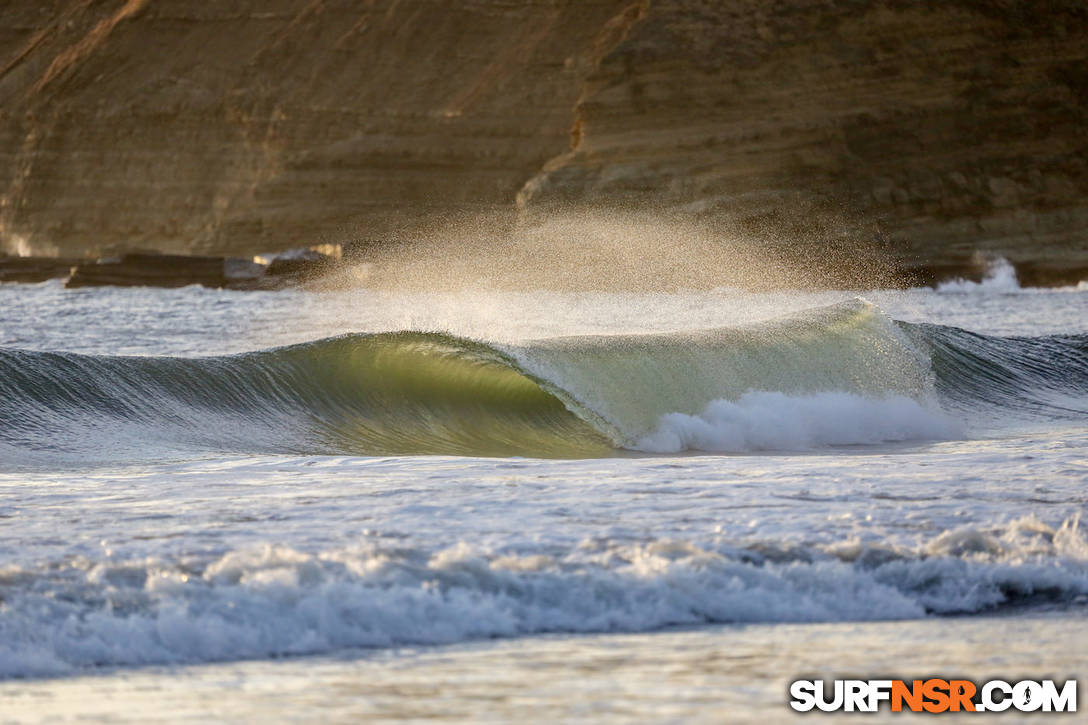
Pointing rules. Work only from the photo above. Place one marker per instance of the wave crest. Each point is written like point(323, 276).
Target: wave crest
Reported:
point(840, 375)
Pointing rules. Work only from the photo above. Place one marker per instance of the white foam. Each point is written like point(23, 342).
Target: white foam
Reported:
point(274, 601)
point(1000, 279)
point(771, 421)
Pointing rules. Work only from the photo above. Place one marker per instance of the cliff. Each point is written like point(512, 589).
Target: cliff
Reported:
point(941, 129)
point(261, 124)
point(932, 130)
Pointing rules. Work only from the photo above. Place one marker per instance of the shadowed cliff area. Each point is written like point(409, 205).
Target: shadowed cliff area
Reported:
point(917, 132)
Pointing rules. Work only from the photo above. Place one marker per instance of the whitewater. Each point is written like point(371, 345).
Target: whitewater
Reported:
point(363, 494)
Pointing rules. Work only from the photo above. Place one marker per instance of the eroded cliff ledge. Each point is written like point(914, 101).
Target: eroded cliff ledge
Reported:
point(938, 128)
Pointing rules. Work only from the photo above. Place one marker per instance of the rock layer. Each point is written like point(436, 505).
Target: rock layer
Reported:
point(939, 129)
point(263, 124)
point(943, 128)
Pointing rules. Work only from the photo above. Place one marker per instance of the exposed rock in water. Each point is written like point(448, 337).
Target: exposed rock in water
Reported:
point(237, 270)
point(34, 269)
point(167, 270)
point(1051, 274)
point(150, 269)
point(301, 264)
point(940, 129)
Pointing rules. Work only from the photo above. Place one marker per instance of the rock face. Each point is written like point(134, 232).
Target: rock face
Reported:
point(234, 128)
point(257, 125)
point(155, 270)
point(141, 269)
point(944, 127)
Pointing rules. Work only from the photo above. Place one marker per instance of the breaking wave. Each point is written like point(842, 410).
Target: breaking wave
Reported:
point(761, 421)
point(840, 375)
point(1000, 278)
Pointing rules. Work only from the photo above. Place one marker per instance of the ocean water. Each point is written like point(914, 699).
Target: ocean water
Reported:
point(488, 505)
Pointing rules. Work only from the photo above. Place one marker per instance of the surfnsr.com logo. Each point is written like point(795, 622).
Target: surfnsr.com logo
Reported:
point(933, 695)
